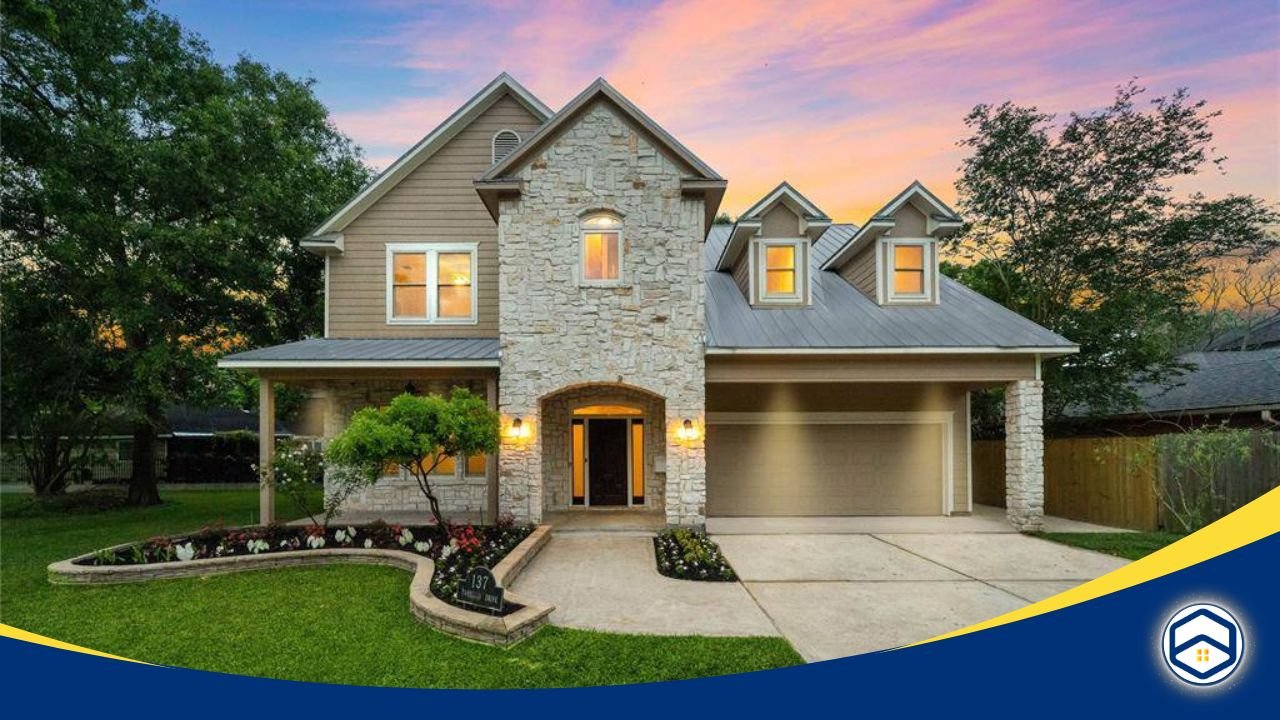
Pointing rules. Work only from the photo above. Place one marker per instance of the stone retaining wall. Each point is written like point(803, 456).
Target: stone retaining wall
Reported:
point(426, 607)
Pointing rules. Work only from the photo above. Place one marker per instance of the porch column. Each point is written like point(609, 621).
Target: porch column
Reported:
point(266, 449)
point(491, 463)
point(1024, 454)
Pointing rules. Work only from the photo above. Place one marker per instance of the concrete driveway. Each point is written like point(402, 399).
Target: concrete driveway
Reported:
point(834, 595)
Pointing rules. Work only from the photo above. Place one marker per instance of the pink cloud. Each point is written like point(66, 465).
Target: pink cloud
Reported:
point(849, 101)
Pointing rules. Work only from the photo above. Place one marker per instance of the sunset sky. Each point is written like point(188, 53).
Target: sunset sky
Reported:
point(849, 101)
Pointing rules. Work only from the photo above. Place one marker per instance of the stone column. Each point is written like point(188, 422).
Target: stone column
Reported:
point(266, 449)
point(1024, 454)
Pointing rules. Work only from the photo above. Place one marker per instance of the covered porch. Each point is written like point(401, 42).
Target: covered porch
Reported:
point(341, 376)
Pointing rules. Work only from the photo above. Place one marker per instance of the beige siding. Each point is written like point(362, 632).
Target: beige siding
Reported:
point(860, 271)
point(742, 272)
point(435, 203)
point(974, 368)
point(909, 222)
point(780, 222)
point(857, 398)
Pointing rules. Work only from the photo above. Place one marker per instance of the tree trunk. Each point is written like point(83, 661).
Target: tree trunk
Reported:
point(142, 481)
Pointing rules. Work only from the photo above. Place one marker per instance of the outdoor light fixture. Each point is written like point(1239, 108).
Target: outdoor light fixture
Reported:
point(687, 431)
point(517, 430)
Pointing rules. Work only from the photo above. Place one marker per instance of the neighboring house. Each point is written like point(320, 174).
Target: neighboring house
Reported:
point(1240, 388)
point(194, 445)
point(564, 265)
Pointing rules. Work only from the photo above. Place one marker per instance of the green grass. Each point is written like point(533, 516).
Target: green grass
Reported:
point(337, 624)
point(1132, 546)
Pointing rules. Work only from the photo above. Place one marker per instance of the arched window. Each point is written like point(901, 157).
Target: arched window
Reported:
point(504, 141)
point(601, 249)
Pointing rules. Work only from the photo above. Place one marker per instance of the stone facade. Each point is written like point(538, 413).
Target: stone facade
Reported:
point(458, 493)
point(557, 417)
point(1024, 454)
point(646, 332)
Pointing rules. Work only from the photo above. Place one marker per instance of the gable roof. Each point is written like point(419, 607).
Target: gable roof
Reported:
point(499, 178)
point(843, 320)
point(813, 219)
point(1263, 335)
point(941, 219)
point(1227, 381)
point(323, 236)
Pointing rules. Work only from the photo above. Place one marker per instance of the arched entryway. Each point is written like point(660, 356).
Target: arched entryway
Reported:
point(603, 448)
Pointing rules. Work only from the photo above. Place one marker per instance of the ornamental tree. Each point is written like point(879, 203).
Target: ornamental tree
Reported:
point(417, 433)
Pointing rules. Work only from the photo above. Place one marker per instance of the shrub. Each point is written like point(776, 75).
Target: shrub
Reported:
point(691, 555)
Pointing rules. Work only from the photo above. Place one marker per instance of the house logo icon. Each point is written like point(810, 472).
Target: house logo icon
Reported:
point(1202, 644)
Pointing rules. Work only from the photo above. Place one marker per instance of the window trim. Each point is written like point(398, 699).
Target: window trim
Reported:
point(760, 271)
point(930, 291)
point(432, 252)
point(583, 231)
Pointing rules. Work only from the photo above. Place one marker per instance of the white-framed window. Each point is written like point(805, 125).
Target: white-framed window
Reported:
point(780, 270)
point(601, 253)
point(504, 141)
point(911, 273)
point(431, 283)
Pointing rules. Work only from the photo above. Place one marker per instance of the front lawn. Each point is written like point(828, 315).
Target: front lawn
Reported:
point(338, 624)
point(1132, 546)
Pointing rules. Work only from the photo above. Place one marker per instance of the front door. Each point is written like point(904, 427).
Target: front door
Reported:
point(607, 461)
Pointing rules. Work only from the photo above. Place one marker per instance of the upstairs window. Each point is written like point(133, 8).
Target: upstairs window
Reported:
point(781, 270)
point(601, 249)
point(504, 141)
point(431, 284)
point(911, 276)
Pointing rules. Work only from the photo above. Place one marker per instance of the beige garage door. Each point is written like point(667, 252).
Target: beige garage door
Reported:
point(825, 469)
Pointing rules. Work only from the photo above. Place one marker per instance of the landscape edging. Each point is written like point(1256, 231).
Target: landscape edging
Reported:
point(425, 606)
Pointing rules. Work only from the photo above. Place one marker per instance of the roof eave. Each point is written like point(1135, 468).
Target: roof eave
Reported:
point(330, 244)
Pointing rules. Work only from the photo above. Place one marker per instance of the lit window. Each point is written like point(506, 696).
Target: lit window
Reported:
point(911, 278)
point(781, 274)
point(448, 465)
point(601, 249)
point(431, 284)
point(477, 465)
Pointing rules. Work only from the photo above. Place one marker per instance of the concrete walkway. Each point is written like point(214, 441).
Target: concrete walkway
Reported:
point(610, 581)
point(844, 594)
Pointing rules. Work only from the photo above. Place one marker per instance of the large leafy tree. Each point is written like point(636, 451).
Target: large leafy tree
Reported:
point(1076, 225)
point(158, 197)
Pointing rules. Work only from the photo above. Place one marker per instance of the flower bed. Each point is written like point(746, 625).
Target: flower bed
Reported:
point(466, 546)
point(691, 555)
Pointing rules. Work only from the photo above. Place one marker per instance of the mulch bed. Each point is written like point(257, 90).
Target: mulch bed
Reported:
point(454, 549)
point(691, 555)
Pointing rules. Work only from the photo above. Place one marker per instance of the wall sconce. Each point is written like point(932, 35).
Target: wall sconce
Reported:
point(687, 432)
point(517, 430)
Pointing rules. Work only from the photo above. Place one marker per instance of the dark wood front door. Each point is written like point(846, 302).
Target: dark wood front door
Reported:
point(607, 461)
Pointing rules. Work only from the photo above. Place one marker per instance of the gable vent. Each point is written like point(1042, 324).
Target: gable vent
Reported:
point(504, 141)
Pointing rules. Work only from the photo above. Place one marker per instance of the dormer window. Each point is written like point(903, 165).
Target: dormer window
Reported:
point(504, 141)
point(601, 249)
point(780, 270)
point(910, 270)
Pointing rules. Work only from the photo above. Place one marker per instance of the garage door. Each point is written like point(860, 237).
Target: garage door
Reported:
point(756, 469)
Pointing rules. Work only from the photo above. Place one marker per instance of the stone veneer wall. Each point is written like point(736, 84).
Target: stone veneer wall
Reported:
point(341, 399)
point(557, 420)
point(1024, 454)
point(647, 332)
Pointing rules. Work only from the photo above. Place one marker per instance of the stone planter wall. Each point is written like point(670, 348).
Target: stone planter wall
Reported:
point(426, 607)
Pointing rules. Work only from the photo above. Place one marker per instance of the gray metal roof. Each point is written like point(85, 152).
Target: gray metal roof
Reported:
point(403, 350)
point(1241, 379)
point(842, 317)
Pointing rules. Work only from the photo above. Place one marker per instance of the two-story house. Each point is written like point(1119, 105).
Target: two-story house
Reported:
point(566, 265)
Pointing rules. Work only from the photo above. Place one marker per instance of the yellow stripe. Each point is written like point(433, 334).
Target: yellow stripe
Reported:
point(20, 634)
point(1250, 523)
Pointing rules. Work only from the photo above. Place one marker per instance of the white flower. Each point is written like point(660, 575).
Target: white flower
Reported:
point(256, 546)
point(340, 535)
point(406, 537)
point(284, 544)
point(185, 552)
point(422, 546)
point(368, 542)
point(446, 551)
point(315, 542)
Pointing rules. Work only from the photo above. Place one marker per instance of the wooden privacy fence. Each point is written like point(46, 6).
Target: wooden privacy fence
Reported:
point(1109, 480)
